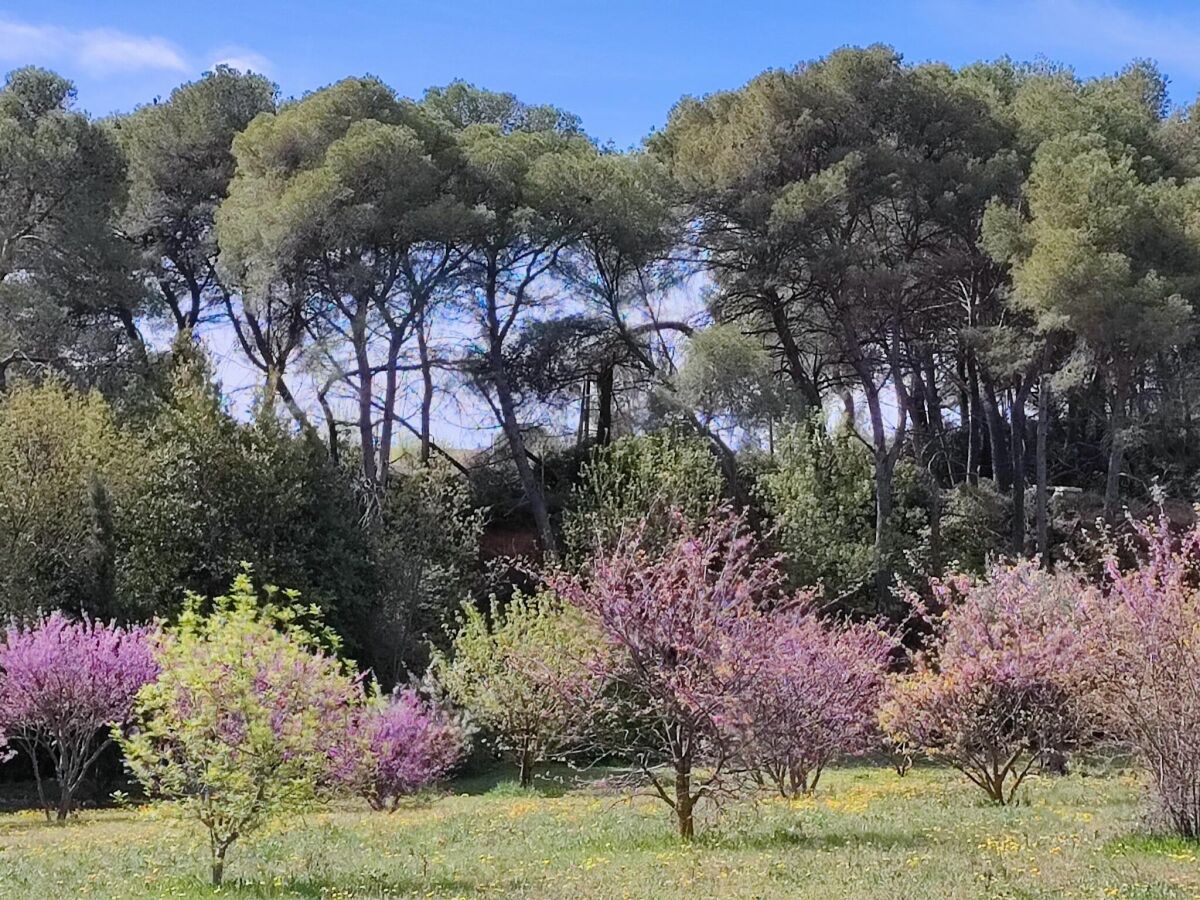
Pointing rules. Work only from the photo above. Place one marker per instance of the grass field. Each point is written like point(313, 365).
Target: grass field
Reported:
point(868, 833)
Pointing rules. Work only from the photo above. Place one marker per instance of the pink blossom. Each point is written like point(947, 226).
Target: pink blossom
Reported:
point(64, 684)
point(399, 747)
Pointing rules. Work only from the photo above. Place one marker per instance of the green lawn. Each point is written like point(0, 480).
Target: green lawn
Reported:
point(868, 833)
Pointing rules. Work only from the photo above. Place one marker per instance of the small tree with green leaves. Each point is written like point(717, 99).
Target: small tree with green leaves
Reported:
point(518, 672)
point(248, 715)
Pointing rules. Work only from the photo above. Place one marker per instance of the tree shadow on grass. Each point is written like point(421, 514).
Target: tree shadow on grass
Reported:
point(798, 839)
point(355, 885)
point(550, 780)
point(783, 836)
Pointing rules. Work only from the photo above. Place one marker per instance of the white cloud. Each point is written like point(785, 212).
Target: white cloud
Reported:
point(241, 58)
point(1062, 29)
point(100, 51)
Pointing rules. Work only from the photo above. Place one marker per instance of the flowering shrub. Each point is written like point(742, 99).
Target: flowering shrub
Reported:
point(816, 697)
point(1145, 651)
point(524, 674)
point(686, 627)
point(400, 745)
point(246, 717)
point(1003, 682)
point(64, 684)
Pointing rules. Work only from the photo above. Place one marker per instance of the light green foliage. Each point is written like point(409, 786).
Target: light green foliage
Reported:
point(348, 166)
point(521, 673)
point(729, 375)
point(975, 526)
point(820, 499)
point(638, 476)
point(66, 470)
point(246, 716)
point(460, 104)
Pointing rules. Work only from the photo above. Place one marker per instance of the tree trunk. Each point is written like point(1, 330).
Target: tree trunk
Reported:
point(64, 803)
point(218, 864)
point(964, 417)
point(884, 469)
point(1116, 445)
point(885, 464)
point(1043, 488)
point(604, 406)
point(389, 406)
point(426, 389)
point(366, 431)
point(810, 397)
point(583, 431)
point(1001, 470)
point(683, 802)
point(525, 766)
point(1021, 386)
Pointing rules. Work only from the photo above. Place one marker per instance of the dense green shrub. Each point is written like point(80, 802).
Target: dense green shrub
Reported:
point(68, 474)
point(819, 497)
point(424, 555)
point(635, 476)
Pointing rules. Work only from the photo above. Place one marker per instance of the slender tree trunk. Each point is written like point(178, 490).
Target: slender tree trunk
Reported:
point(1116, 443)
point(810, 397)
point(516, 443)
point(366, 431)
point(973, 414)
point(885, 463)
point(525, 766)
point(1043, 487)
point(604, 406)
point(426, 388)
point(391, 378)
point(1001, 468)
point(583, 432)
point(218, 863)
point(1021, 386)
point(32, 749)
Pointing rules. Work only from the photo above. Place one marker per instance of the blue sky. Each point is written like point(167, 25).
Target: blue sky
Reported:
point(618, 64)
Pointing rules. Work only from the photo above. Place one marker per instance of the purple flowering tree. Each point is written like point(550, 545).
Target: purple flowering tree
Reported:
point(686, 625)
point(65, 684)
point(1144, 655)
point(1002, 684)
point(400, 745)
point(816, 697)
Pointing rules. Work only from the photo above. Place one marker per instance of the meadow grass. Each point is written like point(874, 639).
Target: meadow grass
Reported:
point(868, 833)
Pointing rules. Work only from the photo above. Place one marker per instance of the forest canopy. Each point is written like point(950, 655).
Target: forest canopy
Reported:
point(901, 316)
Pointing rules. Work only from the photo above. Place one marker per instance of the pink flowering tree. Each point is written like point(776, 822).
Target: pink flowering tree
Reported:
point(686, 623)
point(399, 745)
point(64, 685)
point(816, 698)
point(1144, 631)
point(248, 717)
point(1001, 685)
